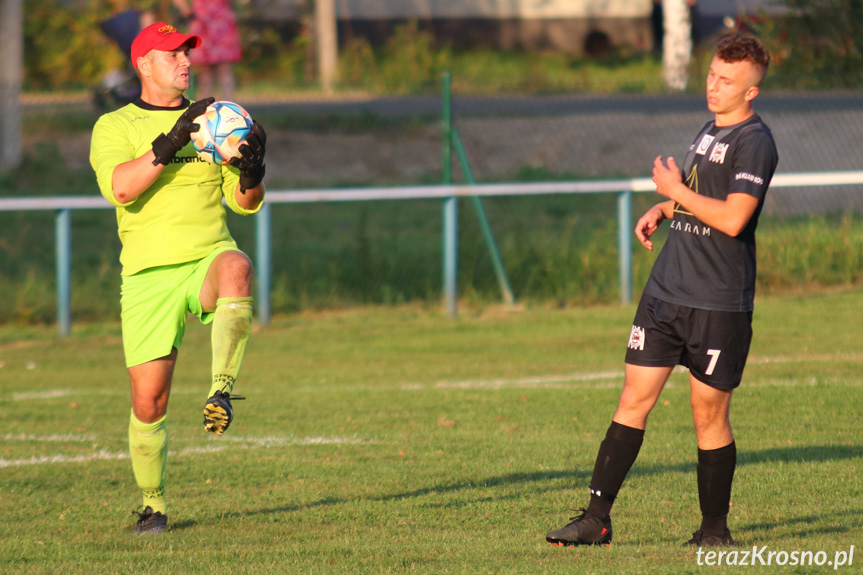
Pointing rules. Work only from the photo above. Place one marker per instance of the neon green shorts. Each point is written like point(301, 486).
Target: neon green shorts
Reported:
point(154, 304)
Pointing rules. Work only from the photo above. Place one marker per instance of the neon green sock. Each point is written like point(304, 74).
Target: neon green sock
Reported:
point(232, 327)
point(148, 444)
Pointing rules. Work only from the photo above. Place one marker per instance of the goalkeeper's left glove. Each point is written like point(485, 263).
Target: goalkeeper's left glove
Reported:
point(251, 159)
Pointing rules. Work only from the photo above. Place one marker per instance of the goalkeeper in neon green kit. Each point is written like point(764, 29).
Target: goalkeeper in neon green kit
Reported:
point(178, 256)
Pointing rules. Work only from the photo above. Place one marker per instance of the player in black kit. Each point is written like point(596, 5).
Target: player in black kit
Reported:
point(696, 309)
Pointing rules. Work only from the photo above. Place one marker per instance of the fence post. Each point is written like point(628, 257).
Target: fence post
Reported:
point(450, 209)
point(484, 225)
point(11, 75)
point(624, 244)
point(63, 249)
point(264, 264)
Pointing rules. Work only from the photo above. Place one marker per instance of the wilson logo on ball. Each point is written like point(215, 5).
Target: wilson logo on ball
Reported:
point(224, 126)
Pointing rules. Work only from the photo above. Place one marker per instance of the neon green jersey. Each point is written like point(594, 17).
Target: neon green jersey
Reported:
point(180, 218)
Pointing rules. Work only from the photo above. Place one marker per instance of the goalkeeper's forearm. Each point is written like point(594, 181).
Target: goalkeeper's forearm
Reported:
point(133, 178)
point(251, 198)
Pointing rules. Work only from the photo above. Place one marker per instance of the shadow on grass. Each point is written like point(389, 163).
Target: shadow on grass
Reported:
point(807, 454)
point(809, 525)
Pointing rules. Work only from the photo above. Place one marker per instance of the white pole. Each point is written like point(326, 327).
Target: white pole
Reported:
point(11, 73)
point(327, 42)
point(676, 43)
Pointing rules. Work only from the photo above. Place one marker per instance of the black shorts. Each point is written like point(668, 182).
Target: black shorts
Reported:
point(714, 345)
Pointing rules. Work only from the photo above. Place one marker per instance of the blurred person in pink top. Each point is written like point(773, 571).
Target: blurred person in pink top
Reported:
point(215, 23)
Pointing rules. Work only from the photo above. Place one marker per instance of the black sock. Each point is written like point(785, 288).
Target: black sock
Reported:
point(715, 474)
point(616, 455)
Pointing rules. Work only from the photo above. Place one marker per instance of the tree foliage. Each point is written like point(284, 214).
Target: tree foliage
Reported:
point(64, 45)
point(816, 43)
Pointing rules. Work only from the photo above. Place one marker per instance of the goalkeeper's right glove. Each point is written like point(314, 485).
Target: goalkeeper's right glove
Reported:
point(166, 146)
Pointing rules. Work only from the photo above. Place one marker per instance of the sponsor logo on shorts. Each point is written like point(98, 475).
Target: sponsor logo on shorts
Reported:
point(636, 338)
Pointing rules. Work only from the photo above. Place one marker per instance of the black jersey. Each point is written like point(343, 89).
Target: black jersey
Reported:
point(701, 267)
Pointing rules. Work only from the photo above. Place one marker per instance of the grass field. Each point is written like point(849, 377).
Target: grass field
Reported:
point(390, 440)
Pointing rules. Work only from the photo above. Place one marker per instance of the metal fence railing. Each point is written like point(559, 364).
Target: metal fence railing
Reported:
point(624, 188)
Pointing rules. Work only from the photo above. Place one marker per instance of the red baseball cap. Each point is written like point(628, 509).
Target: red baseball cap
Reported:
point(160, 36)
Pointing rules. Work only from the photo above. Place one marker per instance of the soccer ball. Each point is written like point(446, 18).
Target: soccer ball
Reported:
point(224, 126)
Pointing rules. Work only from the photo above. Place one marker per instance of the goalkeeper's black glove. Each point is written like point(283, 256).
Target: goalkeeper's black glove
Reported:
point(166, 146)
point(251, 159)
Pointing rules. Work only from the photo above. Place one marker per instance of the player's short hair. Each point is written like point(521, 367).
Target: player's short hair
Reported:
point(743, 48)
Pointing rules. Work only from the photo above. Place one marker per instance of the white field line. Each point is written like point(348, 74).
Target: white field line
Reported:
point(64, 438)
point(274, 441)
point(805, 358)
point(101, 455)
point(594, 380)
point(238, 443)
point(47, 394)
point(604, 380)
point(121, 390)
point(62, 458)
point(608, 379)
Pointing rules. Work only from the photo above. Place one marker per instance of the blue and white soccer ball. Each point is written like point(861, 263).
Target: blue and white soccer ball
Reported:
point(224, 126)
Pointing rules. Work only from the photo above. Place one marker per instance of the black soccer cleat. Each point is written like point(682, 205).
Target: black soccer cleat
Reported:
point(150, 522)
point(702, 539)
point(582, 530)
point(218, 413)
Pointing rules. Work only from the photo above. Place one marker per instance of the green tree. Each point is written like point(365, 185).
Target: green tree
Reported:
point(816, 43)
point(64, 46)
